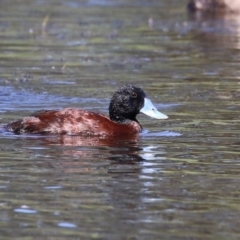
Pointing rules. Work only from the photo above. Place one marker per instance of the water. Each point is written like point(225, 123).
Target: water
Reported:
point(179, 179)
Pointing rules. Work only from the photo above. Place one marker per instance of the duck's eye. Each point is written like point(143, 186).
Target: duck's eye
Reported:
point(134, 95)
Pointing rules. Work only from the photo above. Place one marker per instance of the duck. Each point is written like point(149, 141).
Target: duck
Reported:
point(127, 102)
point(232, 6)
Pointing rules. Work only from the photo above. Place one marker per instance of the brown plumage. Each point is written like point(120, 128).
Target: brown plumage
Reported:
point(72, 122)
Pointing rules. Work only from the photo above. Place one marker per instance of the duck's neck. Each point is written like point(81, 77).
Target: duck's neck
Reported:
point(120, 113)
point(116, 118)
point(122, 119)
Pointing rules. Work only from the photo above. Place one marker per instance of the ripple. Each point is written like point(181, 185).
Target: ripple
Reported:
point(145, 133)
point(25, 210)
point(67, 225)
point(53, 187)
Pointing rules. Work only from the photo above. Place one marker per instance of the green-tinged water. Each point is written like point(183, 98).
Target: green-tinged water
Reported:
point(179, 179)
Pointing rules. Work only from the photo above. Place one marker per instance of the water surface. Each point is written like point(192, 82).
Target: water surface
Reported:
point(179, 179)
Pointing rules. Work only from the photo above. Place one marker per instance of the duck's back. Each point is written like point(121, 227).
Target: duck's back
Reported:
point(73, 122)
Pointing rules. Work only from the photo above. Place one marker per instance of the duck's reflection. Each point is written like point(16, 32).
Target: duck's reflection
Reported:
point(120, 150)
point(112, 141)
point(76, 154)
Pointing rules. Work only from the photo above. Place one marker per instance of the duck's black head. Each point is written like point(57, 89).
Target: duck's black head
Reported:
point(128, 101)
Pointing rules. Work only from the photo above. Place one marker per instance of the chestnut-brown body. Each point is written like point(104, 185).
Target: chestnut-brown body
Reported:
point(73, 122)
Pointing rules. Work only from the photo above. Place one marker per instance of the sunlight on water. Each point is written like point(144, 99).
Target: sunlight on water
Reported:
point(67, 225)
point(146, 134)
point(25, 210)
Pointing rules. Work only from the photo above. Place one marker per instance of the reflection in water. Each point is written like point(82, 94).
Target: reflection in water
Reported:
point(214, 5)
point(111, 141)
point(120, 155)
point(121, 150)
point(216, 29)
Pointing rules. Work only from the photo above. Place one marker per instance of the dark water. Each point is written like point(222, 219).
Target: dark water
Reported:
point(179, 179)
